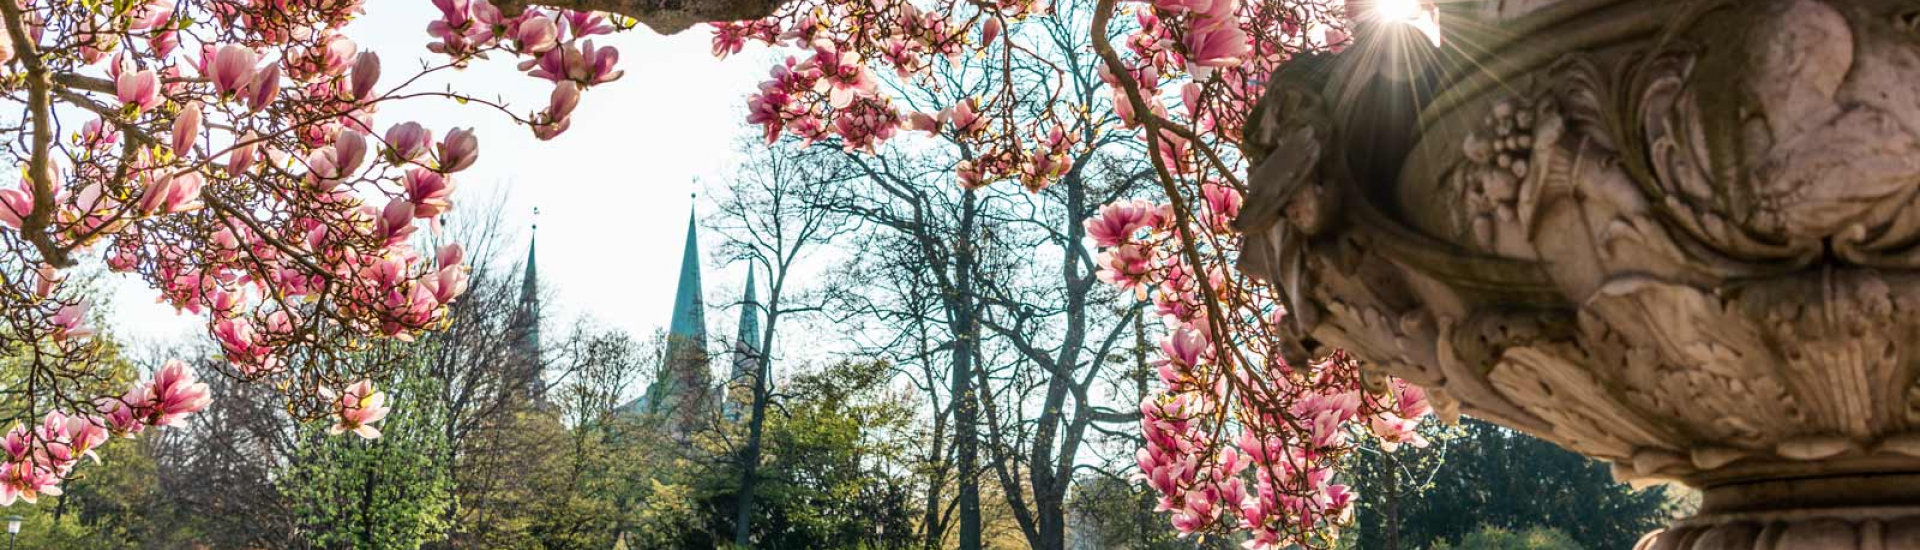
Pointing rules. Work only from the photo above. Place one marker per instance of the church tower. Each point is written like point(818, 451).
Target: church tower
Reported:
point(525, 326)
point(746, 354)
point(680, 390)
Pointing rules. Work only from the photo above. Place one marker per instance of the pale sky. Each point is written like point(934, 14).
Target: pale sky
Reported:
point(613, 192)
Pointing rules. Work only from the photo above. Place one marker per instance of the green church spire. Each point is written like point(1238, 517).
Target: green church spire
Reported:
point(680, 389)
point(526, 325)
point(747, 342)
point(689, 307)
point(747, 354)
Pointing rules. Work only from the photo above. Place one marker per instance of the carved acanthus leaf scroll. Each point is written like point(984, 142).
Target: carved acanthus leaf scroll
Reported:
point(1695, 253)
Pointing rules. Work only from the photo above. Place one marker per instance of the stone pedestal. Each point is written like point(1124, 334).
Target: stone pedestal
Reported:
point(1678, 236)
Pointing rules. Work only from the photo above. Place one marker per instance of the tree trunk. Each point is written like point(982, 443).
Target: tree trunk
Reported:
point(965, 411)
point(1052, 521)
point(931, 520)
point(366, 502)
point(1393, 502)
point(750, 456)
point(1146, 520)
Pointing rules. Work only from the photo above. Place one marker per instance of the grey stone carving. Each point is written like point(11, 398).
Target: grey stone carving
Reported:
point(1677, 236)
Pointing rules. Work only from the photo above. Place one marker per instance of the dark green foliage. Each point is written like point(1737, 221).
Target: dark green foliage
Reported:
point(1484, 475)
point(1495, 538)
point(823, 482)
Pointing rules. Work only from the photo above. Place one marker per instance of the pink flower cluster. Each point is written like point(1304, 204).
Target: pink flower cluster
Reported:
point(230, 154)
point(37, 459)
point(1218, 54)
point(556, 44)
point(833, 92)
point(1237, 438)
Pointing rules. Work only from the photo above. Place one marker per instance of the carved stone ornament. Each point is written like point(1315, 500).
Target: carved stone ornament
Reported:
point(1679, 236)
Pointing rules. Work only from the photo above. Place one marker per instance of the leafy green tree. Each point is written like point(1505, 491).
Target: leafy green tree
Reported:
point(391, 492)
point(110, 506)
point(832, 477)
point(1495, 477)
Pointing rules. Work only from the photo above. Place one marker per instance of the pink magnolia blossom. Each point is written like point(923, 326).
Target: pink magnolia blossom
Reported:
point(729, 37)
point(865, 124)
point(241, 157)
point(97, 134)
point(446, 284)
point(458, 150)
point(139, 89)
point(172, 194)
point(1185, 349)
point(357, 409)
point(904, 56)
point(1223, 205)
point(14, 206)
point(186, 129)
point(1125, 266)
point(408, 142)
point(162, 42)
point(535, 34)
point(394, 223)
point(263, 89)
point(771, 109)
point(119, 416)
point(450, 255)
point(243, 347)
point(78, 435)
point(150, 14)
point(70, 321)
point(559, 113)
point(587, 65)
point(1119, 222)
point(26, 482)
point(922, 122)
point(455, 31)
point(328, 59)
point(366, 73)
point(171, 396)
point(430, 192)
point(843, 77)
point(964, 117)
point(1223, 44)
point(329, 166)
point(231, 68)
point(585, 23)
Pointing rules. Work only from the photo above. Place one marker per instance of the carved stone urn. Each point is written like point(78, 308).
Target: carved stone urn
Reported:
point(1679, 236)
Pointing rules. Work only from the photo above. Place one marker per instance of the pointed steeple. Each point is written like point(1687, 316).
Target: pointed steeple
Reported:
point(689, 307)
point(746, 344)
point(526, 322)
point(530, 281)
point(746, 353)
point(681, 387)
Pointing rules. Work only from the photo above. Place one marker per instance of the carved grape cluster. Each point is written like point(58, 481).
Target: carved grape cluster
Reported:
point(1499, 153)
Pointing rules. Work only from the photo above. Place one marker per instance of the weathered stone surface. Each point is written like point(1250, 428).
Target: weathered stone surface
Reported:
point(1680, 236)
point(663, 16)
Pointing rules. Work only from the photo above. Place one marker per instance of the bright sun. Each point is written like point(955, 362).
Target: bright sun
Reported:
point(1397, 10)
point(1416, 13)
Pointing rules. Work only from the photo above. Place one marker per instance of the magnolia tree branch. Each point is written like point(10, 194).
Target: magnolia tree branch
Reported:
point(40, 160)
